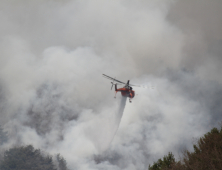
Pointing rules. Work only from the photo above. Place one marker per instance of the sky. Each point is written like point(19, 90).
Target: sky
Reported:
point(53, 95)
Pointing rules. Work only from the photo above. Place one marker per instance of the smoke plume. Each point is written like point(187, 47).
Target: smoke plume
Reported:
point(53, 95)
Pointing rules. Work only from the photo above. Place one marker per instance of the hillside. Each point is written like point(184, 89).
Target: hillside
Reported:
point(207, 155)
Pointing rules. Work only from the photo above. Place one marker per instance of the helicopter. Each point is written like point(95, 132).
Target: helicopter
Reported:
point(126, 91)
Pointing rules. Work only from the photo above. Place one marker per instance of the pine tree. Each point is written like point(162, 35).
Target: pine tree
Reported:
point(207, 152)
point(167, 162)
point(207, 155)
point(62, 162)
point(26, 158)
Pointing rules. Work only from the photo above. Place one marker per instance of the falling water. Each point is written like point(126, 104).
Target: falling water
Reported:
point(101, 131)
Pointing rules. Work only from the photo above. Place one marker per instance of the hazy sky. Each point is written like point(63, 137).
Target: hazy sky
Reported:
point(53, 95)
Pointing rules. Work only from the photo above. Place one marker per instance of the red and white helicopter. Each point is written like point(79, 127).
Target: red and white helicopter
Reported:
point(126, 91)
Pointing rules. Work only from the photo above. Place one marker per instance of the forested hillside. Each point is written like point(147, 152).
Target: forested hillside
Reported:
point(27, 157)
point(207, 155)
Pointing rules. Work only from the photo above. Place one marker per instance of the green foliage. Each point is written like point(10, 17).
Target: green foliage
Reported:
point(26, 158)
point(167, 162)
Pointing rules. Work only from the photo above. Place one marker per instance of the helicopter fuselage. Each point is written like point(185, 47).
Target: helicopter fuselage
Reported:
point(126, 91)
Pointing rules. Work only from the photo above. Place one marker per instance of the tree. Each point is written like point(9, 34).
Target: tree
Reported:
point(26, 158)
point(166, 163)
point(207, 155)
point(61, 162)
point(207, 152)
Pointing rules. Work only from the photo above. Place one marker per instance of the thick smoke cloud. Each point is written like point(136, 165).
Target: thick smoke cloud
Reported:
point(52, 94)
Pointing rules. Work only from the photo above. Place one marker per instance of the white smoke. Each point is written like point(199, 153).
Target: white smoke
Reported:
point(102, 129)
point(53, 96)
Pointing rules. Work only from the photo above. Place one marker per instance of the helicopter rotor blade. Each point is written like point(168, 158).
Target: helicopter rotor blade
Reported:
point(105, 76)
point(117, 82)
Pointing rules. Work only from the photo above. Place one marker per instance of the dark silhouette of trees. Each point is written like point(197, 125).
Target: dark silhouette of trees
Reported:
point(61, 162)
point(207, 155)
point(166, 163)
point(28, 158)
